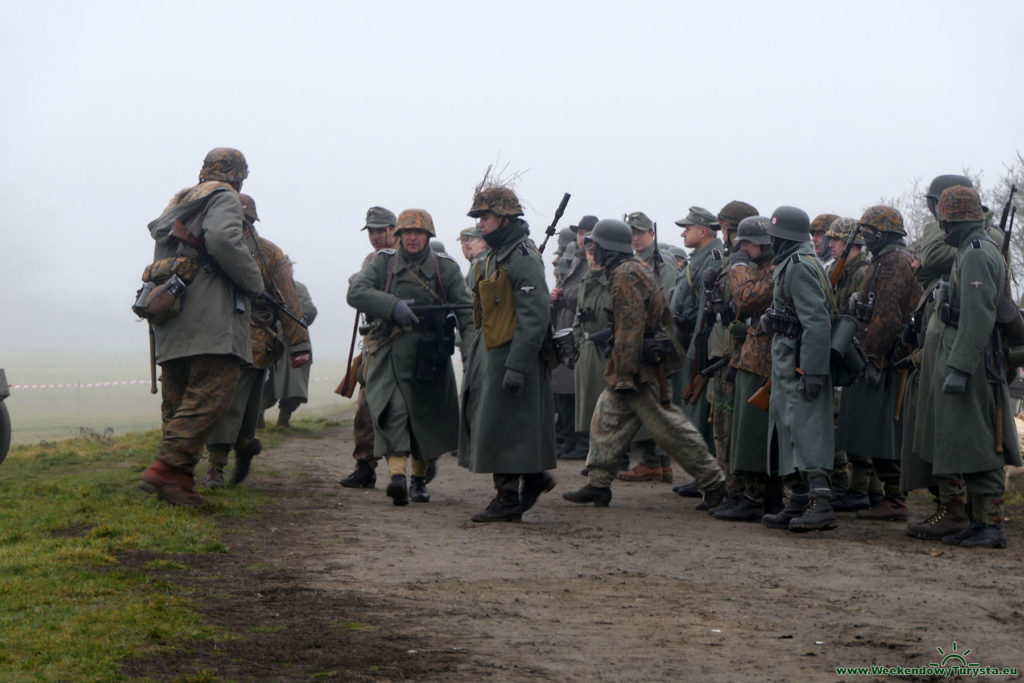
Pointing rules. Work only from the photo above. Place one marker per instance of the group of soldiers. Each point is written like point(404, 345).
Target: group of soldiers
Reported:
point(793, 368)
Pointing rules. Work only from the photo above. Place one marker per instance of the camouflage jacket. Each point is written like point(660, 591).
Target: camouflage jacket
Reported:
point(752, 287)
point(890, 283)
point(639, 311)
point(276, 270)
point(850, 280)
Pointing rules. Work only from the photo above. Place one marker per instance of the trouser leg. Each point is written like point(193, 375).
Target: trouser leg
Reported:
point(362, 430)
point(612, 428)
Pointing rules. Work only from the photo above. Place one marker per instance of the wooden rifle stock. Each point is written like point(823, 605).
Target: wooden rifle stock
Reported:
point(152, 360)
point(347, 386)
point(762, 397)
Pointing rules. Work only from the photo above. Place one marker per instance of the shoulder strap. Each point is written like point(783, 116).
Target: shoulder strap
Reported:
point(391, 272)
point(437, 274)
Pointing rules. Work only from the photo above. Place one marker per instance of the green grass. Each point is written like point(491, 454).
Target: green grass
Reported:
point(88, 560)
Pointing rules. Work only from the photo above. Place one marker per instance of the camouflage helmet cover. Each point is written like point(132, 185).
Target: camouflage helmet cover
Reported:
point(249, 207)
point(224, 163)
point(959, 203)
point(499, 200)
point(883, 219)
point(822, 222)
point(842, 229)
point(415, 219)
point(753, 229)
point(735, 211)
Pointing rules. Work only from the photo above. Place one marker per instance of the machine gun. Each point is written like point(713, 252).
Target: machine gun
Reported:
point(551, 228)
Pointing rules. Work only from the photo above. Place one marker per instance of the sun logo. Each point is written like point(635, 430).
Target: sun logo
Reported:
point(953, 654)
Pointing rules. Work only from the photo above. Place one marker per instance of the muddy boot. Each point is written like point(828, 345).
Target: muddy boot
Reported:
point(284, 418)
point(960, 536)
point(666, 474)
point(397, 491)
point(600, 497)
point(504, 507)
point(731, 501)
point(533, 486)
point(641, 472)
point(713, 497)
point(794, 506)
point(746, 509)
point(948, 520)
point(688, 490)
point(174, 486)
point(987, 536)
point(852, 500)
point(214, 479)
point(888, 510)
point(431, 471)
point(817, 515)
point(418, 490)
point(243, 460)
point(364, 476)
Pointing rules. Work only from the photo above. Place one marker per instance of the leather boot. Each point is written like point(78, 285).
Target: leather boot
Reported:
point(817, 515)
point(852, 500)
point(889, 510)
point(600, 497)
point(214, 479)
point(731, 501)
point(794, 506)
point(418, 490)
point(688, 490)
point(504, 507)
point(284, 419)
point(641, 472)
point(172, 485)
point(713, 497)
point(243, 460)
point(533, 486)
point(960, 536)
point(666, 474)
point(948, 519)
point(987, 536)
point(746, 509)
point(431, 471)
point(397, 491)
point(364, 476)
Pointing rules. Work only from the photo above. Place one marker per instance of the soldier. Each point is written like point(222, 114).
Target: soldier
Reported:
point(574, 443)
point(380, 229)
point(564, 253)
point(819, 229)
point(592, 329)
point(971, 421)
point(410, 384)
point(291, 384)
point(636, 389)
point(473, 247)
point(237, 428)
point(868, 430)
point(700, 234)
point(506, 387)
point(937, 258)
point(850, 280)
point(201, 350)
point(801, 436)
point(679, 254)
point(751, 286)
point(654, 465)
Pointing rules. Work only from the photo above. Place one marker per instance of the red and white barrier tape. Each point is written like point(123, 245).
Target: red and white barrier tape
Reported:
point(93, 385)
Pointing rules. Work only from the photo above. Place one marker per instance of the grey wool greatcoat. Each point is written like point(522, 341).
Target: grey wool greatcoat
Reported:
point(962, 428)
point(392, 361)
point(593, 313)
point(502, 433)
point(565, 312)
point(292, 382)
point(209, 323)
point(806, 440)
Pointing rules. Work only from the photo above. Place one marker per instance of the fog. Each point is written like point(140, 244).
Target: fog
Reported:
point(110, 108)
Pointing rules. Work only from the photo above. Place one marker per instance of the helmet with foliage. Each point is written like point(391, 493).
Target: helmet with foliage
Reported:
point(501, 201)
point(224, 163)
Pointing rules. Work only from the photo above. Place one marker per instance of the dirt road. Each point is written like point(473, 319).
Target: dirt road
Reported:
point(338, 584)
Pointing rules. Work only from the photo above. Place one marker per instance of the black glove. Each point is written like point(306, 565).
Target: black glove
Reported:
point(956, 383)
point(708, 277)
point(513, 382)
point(739, 258)
point(403, 315)
point(872, 375)
point(601, 337)
point(811, 386)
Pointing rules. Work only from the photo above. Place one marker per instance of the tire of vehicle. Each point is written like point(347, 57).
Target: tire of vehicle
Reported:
point(5, 431)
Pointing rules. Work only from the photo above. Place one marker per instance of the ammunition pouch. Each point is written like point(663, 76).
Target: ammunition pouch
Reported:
point(949, 314)
point(159, 303)
point(184, 267)
point(497, 309)
point(846, 359)
point(780, 322)
point(863, 310)
point(434, 349)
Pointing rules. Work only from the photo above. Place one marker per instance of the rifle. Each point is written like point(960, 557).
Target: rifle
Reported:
point(281, 308)
point(551, 228)
point(440, 307)
point(1003, 227)
point(698, 380)
point(762, 396)
point(657, 255)
point(152, 360)
point(347, 386)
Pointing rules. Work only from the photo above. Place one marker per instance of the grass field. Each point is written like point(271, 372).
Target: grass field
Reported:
point(61, 412)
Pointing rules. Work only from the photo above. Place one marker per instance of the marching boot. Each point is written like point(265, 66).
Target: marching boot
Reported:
point(364, 476)
point(642, 472)
point(745, 509)
point(533, 486)
point(589, 493)
point(397, 491)
point(889, 509)
point(798, 498)
point(948, 519)
point(852, 500)
point(174, 486)
point(243, 460)
point(504, 507)
point(418, 490)
point(214, 478)
point(688, 490)
point(817, 515)
point(713, 497)
point(284, 418)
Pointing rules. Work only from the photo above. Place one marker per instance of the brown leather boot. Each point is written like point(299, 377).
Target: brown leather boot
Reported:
point(666, 474)
point(888, 509)
point(214, 479)
point(172, 485)
point(947, 520)
point(641, 472)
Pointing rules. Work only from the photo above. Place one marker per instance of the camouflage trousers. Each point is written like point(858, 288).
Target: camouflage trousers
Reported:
point(722, 394)
point(617, 419)
point(197, 391)
point(362, 430)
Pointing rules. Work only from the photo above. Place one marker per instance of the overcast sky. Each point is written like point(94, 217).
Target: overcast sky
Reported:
point(110, 108)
